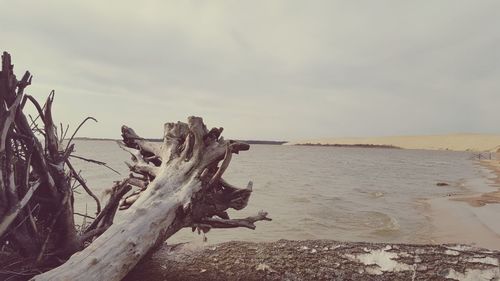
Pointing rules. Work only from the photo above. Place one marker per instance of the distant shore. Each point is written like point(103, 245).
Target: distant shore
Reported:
point(350, 145)
point(455, 142)
point(160, 140)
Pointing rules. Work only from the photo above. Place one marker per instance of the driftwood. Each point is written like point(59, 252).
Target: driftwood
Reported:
point(37, 181)
point(318, 260)
point(177, 183)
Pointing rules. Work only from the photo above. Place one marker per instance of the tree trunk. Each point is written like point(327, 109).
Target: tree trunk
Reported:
point(318, 260)
point(186, 189)
point(177, 183)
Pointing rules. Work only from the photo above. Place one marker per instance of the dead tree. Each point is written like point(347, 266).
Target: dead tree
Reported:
point(177, 183)
point(37, 181)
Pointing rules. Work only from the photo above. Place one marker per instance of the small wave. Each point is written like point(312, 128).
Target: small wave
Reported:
point(390, 225)
point(383, 222)
point(372, 194)
point(369, 221)
point(300, 200)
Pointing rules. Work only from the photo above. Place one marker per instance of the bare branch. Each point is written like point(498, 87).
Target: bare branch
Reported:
point(84, 185)
point(95, 162)
point(78, 128)
point(84, 215)
point(223, 167)
point(140, 166)
point(131, 139)
point(232, 223)
point(94, 232)
point(105, 218)
point(37, 106)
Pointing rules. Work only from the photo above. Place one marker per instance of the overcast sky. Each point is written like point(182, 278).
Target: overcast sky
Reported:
point(263, 69)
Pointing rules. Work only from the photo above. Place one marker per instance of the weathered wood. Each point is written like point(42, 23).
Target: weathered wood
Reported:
point(6, 121)
point(180, 185)
point(318, 260)
point(186, 190)
point(37, 226)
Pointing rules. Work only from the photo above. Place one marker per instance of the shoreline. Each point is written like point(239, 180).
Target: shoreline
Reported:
point(453, 142)
point(317, 260)
point(472, 215)
point(357, 145)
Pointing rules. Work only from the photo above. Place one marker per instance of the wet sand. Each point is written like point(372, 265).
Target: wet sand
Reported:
point(472, 216)
point(492, 197)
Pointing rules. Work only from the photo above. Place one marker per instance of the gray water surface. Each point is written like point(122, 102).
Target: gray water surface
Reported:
point(356, 194)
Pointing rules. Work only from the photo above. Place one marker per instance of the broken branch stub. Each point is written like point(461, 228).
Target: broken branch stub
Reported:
point(180, 185)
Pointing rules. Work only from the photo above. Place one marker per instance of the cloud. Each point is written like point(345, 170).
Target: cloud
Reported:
point(264, 69)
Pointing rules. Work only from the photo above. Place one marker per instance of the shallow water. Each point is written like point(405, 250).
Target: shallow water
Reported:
point(355, 194)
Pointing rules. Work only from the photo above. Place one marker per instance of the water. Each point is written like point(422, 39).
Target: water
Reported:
point(352, 194)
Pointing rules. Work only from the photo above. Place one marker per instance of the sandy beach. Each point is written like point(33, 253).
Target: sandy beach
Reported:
point(457, 142)
point(486, 198)
point(472, 216)
point(469, 215)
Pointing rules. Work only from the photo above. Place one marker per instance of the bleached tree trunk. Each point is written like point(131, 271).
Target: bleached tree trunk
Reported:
point(186, 190)
point(177, 183)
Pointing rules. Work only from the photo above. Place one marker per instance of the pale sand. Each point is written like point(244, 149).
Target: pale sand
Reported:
point(492, 197)
point(458, 142)
point(472, 218)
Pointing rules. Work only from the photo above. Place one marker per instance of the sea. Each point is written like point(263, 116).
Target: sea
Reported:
point(313, 192)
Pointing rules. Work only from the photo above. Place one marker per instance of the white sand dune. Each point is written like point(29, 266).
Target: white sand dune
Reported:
point(459, 142)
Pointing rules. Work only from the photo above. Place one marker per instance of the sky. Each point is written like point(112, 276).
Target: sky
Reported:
point(273, 70)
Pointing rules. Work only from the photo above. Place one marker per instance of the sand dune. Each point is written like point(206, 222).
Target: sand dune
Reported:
point(459, 142)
